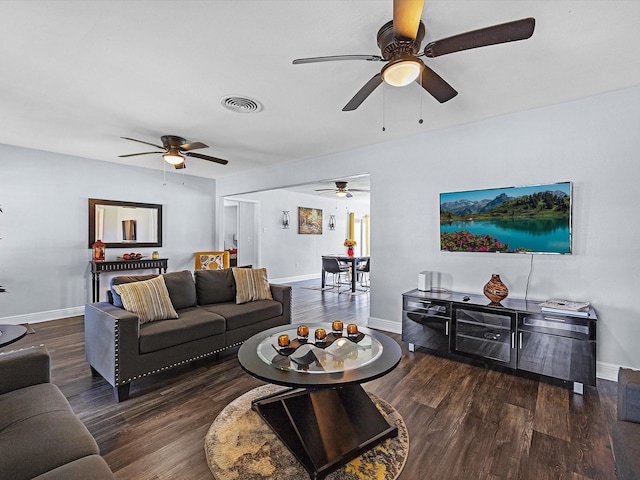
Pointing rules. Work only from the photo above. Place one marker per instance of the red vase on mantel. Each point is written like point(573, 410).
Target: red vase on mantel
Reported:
point(98, 251)
point(350, 252)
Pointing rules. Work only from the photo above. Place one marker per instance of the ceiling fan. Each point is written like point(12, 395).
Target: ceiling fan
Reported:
point(400, 40)
point(174, 149)
point(341, 190)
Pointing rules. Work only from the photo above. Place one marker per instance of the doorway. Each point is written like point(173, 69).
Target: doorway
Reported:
point(241, 230)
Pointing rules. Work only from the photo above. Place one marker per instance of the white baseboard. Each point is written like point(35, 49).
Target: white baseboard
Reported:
point(386, 325)
point(607, 371)
point(299, 278)
point(38, 317)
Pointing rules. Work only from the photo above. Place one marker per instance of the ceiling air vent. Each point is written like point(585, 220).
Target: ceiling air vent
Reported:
point(241, 104)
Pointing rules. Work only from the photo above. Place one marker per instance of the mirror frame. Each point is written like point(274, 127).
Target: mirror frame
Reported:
point(92, 222)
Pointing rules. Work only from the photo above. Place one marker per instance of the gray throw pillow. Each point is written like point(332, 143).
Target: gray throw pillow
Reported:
point(215, 286)
point(182, 289)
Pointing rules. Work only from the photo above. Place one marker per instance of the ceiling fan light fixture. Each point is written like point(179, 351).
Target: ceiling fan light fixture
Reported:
point(173, 158)
point(341, 193)
point(401, 72)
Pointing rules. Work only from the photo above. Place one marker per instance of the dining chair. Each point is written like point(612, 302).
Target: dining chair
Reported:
point(212, 260)
point(362, 271)
point(331, 265)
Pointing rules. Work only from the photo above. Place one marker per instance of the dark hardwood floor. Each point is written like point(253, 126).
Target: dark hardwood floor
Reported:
point(465, 421)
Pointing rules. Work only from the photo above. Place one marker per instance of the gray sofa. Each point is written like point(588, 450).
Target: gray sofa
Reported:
point(626, 430)
point(209, 321)
point(40, 436)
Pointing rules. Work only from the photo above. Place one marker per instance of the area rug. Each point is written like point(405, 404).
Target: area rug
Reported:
point(241, 446)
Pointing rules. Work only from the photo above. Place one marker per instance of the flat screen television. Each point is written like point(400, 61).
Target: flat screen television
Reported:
point(529, 219)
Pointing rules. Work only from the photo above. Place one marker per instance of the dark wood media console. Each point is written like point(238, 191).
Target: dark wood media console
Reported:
point(516, 334)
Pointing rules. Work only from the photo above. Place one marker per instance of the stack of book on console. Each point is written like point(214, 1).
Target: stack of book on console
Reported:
point(565, 307)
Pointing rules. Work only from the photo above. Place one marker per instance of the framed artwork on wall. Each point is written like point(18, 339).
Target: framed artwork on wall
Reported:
point(309, 221)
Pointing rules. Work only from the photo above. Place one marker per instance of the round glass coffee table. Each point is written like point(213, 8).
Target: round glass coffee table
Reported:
point(11, 333)
point(325, 418)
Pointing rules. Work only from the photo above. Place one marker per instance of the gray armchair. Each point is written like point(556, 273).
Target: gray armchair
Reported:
point(40, 436)
point(626, 430)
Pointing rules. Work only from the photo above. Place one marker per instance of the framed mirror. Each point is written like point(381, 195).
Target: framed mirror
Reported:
point(125, 224)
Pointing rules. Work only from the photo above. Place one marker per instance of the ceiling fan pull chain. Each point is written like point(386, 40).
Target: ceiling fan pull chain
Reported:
point(384, 89)
point(164, 174)
point(420, 121)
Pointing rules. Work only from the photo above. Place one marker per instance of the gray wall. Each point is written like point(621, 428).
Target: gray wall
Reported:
point(592, 143)
point(44, 254)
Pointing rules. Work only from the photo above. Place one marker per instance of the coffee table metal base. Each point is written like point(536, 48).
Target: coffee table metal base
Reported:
point(325, 428)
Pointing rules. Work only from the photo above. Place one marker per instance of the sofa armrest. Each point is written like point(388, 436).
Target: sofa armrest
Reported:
point(282, 294)
point(23, 368)
point(629, 395)
point(111, 340)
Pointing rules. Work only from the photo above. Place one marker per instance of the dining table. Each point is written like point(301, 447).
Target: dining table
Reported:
point(353, 261)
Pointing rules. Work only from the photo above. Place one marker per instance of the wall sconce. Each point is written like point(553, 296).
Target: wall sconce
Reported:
point(332, 222)
point(285, 219)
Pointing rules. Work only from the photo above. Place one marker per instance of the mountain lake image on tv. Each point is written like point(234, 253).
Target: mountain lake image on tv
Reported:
point(530, 219)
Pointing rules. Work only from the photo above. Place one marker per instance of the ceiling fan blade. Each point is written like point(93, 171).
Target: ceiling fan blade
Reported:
point(193, 146)
point(146, 143)
point(325, 189)
point(358, 190)
point(142, 153)
point(506, 32)
point(206, 157)
point(348, 195)
point(436, 85)
point(370, 58)
point(364, 92)
point(406, 18)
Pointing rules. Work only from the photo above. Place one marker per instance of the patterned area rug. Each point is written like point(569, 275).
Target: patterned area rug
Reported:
point(241, 446)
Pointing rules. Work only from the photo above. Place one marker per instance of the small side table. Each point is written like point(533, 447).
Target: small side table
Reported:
point(122, 265)
point(11, 333)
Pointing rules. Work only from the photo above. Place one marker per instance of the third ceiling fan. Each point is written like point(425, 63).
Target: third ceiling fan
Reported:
point(341, 190)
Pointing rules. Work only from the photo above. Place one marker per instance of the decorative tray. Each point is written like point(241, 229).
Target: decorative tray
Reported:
point(338, 353)
point(329, 339)
point(122, 259)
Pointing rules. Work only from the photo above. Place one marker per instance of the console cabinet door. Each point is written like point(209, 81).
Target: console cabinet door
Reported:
point(484, 333)
point(559, 347)
point(426, 323)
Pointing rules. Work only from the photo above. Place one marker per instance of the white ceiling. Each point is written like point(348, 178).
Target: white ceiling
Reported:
point(78, 75)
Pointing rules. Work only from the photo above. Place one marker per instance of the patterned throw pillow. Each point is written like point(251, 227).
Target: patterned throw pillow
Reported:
point(212, 262)
point(148, 299)
point(251, 284)
point(115, 296)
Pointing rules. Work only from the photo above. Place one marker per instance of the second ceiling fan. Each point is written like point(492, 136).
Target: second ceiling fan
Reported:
point(174, 149)
point(400, 41)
